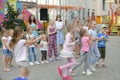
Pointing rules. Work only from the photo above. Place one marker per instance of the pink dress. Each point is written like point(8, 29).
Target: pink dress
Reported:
point(68, 47)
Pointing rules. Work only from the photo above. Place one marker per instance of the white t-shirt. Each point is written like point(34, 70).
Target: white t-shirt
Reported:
point(4, 38)
point(93, 33)
point(20, 51)
point(30, 37)
point(44, 46)
point(59, 25)
point(9, 39)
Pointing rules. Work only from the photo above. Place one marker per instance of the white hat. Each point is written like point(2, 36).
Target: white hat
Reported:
point(104, 26)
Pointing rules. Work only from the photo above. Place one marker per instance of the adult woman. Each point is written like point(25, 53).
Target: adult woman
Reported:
point(32, 24)
point(60, 35)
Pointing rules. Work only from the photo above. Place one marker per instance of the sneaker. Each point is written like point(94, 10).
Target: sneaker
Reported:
point(20, 78)
point(83, 72)
point(67, 78)
point(36, 62)
point(72, 72)
point(59, 71)
point(57, 59)
point(46, 62)
point(31, 63)
point(88, 72)
point(92, 68)
point(103, 65)
point(51, 60)
point(42, 62)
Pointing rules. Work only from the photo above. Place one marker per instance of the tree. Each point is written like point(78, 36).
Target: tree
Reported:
point(11, 20)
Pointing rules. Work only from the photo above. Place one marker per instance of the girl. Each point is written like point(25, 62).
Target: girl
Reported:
point(5, 50)
point(32, 24)
point(67, 52)
point(31, 48)
point(86, 41)
point(77, 29)
point(10, 53)
point(60, 35)
point(52, 40)
point(18, 45)
point(43, 48)
point(94, 52)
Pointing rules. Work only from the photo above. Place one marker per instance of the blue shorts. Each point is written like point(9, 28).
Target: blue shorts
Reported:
point(5, 52)
point(10, 54)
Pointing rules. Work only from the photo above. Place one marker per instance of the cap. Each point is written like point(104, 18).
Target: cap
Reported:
point(104, 26)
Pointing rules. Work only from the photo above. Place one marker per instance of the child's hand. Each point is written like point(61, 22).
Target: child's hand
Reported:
point(76, 41)
point(36, 46)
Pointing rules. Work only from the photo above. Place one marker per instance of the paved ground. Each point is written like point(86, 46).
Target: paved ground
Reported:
point(48, 71)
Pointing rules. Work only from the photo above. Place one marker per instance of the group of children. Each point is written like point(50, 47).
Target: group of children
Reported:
point(23, 48)
point(93, 47)
point(14, 44)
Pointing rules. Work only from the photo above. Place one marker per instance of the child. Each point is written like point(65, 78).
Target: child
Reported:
point(94, 52)
point(84, 57)
point(43, 48)
point(77, 28)
point(67, 52)
point(103, 37)
point(52, 41)
point(5, 50)
point(31, 48)
point(10, 53)
point(18, 45)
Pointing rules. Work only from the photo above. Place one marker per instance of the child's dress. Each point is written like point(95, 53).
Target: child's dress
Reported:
point(68, 47)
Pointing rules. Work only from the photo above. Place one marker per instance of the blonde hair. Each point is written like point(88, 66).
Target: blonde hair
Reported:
point(69, 27)
point(82, 32)
point(3, 31)
point(16, 36)
point(43, 36)
point(11, 31)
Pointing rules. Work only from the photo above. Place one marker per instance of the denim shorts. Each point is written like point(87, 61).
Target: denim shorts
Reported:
point(5, 52)
point(10, 54)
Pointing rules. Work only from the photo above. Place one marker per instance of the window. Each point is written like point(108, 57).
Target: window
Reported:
point(103, 4)
point(88, 12)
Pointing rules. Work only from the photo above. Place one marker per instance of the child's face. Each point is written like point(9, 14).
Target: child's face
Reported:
point(52, 22)
point(58, 18)
point(30, 30)
point(32, 17)
point(22, 34)
point(103, 30)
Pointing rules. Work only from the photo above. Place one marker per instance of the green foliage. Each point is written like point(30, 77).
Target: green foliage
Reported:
point(11, 20)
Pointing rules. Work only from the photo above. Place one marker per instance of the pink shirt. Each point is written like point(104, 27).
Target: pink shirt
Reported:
point(85, 44)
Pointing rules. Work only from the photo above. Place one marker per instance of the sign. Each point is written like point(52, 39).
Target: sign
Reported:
point(110, 1)
point(106, 19)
